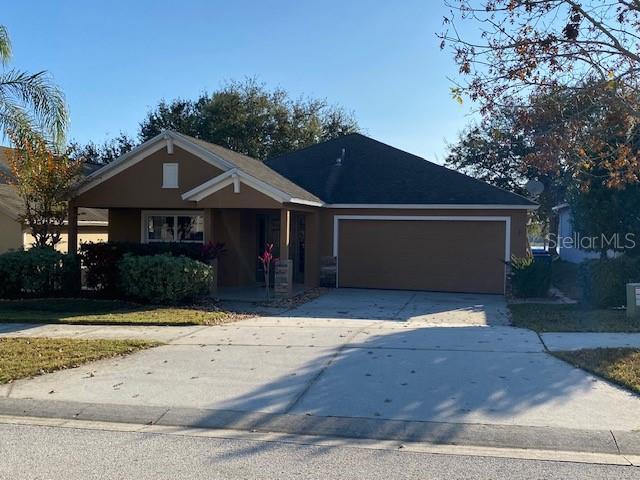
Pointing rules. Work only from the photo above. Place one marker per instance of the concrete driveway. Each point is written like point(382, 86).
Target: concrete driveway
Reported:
point(350, 353)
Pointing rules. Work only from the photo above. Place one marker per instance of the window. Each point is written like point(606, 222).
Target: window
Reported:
point(169, 175)
point(184, 227)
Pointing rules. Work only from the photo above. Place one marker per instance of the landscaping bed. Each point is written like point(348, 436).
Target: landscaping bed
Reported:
point(27, 357)
point(618, 365)
point(106, 312)
point(565, 276)
point(571, 318)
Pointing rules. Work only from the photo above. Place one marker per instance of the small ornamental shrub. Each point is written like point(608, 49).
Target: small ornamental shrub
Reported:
point(530, 277)
point(100, 260)
point(604, 281)
point(37, 272)
point(164, 278)
point(11, 274)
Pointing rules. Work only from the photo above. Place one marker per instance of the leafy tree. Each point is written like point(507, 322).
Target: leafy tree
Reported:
point(586, 133)
point(44, 178)
point(583, 147)
point(29, 101)
point(542, 43)
point(250, 119)
point(498, 150)
point(609, 216)
point(104, 153)
point(578, 55)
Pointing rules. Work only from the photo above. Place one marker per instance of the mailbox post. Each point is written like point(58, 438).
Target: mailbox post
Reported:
point(633, 300)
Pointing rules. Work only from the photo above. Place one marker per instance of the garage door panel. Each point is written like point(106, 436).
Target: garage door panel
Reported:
point(451, 256)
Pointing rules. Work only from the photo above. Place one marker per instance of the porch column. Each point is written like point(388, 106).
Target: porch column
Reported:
point(283, 287)
point(72, 245)
point(208, 225)
point(285, 233)
point(208, 237)
point(72, 228)
point(312, 250)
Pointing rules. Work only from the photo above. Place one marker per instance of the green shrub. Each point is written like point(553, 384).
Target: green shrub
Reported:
point(529, 277)
point(11, 274)
point(604, 281)
point(101, 259)
point(37, 272)
point(164, 278)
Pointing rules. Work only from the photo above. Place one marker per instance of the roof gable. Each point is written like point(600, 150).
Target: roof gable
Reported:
point(250, 169)
point(372, 172)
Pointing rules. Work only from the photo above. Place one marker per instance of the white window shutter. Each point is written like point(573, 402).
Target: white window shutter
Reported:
point(170, 175)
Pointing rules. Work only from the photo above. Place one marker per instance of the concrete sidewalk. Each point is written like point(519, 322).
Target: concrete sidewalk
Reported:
point(349, 368)
point(559, 341)
point(438, 359)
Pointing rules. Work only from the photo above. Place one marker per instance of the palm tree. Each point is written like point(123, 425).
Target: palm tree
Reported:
point(29, 101)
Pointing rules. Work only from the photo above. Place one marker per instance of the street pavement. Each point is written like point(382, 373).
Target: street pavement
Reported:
point(370, 357)
point(36, 452)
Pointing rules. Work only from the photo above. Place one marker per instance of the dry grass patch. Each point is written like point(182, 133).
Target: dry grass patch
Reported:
point(108, 312)
point(570, 318)
point(619, 365)
point(27, 357)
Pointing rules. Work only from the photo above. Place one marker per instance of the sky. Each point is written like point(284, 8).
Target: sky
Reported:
point(115, 59)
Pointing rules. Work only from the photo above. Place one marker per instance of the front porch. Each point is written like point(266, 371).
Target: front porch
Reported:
point(245, 233)
point(253, 294)
point(175, 188)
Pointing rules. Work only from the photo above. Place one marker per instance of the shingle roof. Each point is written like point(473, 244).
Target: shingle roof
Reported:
point(375, 173)
point(256, 169)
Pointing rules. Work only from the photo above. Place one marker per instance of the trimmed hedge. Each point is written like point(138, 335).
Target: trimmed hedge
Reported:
point(530, 277)
point(164, 278)
point(37, 272)
point(604, 281)
point(101, 259)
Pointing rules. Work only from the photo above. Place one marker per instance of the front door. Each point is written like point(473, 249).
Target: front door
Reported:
point(268, 231)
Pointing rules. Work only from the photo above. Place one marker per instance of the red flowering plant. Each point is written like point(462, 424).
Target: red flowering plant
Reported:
point(212, 250)
point(265, 259)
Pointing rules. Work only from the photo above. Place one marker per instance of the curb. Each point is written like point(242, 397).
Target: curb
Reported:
point(461, 434)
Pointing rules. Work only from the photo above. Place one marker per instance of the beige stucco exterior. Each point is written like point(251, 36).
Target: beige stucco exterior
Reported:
point(140, 185)
point(88, 235)
point(470, 254)
point(10, 233)
point(13, 236)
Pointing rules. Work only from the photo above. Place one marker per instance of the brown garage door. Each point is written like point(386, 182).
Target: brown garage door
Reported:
point(438, 255)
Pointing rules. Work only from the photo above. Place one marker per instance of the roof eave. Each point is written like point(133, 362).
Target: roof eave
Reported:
point(433, 206)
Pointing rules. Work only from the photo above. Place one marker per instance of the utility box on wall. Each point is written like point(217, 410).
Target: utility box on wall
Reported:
point(633, 300)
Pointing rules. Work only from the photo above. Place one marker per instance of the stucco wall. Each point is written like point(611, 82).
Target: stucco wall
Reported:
point(10, 233)
point(124, 224)
point(519, 243)
point(140, 185)
point(237, 230)
point(565, 230)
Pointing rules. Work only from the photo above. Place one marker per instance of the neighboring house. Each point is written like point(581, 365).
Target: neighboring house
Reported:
point(14, 235)
point(352, 212)
point(567, 245)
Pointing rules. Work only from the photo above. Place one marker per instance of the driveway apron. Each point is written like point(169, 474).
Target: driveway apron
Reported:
point(350, 353)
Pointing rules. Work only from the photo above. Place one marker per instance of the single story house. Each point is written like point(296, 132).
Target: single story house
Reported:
point(14, 235)
point(349, 212)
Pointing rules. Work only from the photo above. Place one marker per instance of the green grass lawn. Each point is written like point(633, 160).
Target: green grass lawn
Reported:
point(27, 357)
point(619, 365)
point(570, 318)
point(91, 311)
